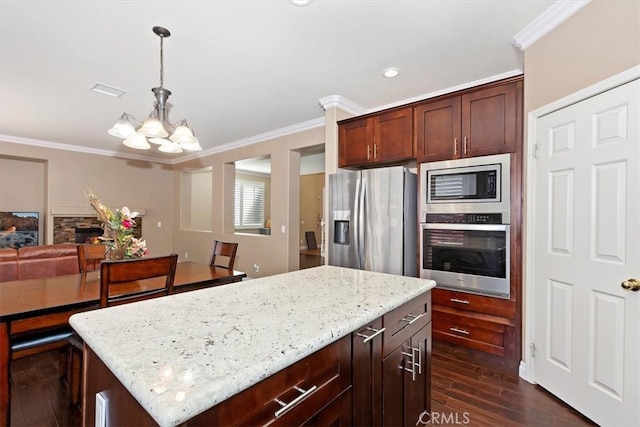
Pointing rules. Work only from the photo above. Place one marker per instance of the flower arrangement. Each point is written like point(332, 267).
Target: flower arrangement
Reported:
point(118, 228)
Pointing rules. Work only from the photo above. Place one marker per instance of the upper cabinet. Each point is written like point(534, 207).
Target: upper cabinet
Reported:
point(477, 123)
point(378, 139)
point(473, 122)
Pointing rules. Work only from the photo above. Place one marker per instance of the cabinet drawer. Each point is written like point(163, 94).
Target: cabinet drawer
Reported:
point(401, 323)
point(469, 331)
point(478, 303)
point(304, 387)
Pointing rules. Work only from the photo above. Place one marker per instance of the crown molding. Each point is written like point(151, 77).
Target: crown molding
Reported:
point(310, 124)
point(555, 15)
point(76, 148)
point(342, 103)
point(300, 127)
point(448, 90)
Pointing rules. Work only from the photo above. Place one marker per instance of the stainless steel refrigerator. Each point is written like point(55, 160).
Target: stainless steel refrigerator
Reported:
point(373, 220)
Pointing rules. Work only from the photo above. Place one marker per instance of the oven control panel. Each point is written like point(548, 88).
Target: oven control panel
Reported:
point(464, 218)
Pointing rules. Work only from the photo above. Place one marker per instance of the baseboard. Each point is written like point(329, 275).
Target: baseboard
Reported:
point(522, 370)
point(524, 374)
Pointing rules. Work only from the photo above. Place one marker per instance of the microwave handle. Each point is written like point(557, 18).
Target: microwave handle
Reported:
point(480, 227)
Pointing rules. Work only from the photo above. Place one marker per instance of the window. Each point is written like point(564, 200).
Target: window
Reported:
point(249, 204)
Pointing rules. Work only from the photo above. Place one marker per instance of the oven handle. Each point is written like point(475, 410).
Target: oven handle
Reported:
point(480, 227)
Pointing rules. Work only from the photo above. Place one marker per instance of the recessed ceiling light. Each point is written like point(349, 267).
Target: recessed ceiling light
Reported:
point(391, 72)
point(301, 2)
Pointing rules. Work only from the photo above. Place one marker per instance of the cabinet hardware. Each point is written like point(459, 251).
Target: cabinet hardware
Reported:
point(368, 338)
point(466, 145)
point(288, 406)
point(459, 301)
point(460, 331)
point(413, 363)
point(375, 151)
point(368, 152)
point(455, 147)
point(413, 317)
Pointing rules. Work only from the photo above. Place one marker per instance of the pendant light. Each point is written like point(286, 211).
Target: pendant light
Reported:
point(156, 129)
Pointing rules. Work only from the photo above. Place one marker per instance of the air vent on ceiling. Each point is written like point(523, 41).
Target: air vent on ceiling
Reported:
point(108, 90)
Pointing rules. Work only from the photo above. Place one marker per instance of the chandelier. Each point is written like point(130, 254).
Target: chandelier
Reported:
point(156, 129)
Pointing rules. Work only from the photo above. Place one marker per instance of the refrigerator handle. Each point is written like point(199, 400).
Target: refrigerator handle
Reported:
point(360, 221)
point(356, 222)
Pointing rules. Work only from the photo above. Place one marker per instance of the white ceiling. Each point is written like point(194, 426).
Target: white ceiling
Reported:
point(238, 69)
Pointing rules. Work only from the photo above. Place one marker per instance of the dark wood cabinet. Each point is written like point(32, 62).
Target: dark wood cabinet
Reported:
point(438, 130)
point(378, 139)
point(366, 349)
point(392, 367)
point(406, 371)
point(292, 395)
point(478, 123)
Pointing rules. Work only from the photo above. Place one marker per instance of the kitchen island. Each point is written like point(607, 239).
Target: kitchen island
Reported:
point(192, 356)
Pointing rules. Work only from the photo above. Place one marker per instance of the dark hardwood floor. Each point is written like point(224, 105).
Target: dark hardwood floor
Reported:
point(466, 386)
point(489, 391)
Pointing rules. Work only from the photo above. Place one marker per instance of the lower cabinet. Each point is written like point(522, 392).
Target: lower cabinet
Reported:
point(297, 395)
point(407, 373)
point(479, 322)
point(392, 367)
point(367, 374)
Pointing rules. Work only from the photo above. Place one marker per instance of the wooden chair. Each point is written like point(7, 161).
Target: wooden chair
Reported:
point(224, 249)
point(112, 274)
point(90, 256)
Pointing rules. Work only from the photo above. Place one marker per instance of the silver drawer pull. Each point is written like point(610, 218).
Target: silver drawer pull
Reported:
point(460, 331)
point(413, 317)
point(287, 406)
point(368, 338)
point(459, 301)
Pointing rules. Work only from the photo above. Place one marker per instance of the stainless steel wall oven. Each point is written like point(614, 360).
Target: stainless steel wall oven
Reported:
point(467, 252)
point(465, 235)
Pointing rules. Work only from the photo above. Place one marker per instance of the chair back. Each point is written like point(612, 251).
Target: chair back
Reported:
point(123, 273)
point(90, 256)
point(223, 249)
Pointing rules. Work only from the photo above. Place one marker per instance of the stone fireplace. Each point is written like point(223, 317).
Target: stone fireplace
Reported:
point(81, 229)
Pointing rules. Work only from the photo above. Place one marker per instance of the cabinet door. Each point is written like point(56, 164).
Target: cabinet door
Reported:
point(489, 121)
point(355, 143)
point(418, 390)
point(393, 386)
point(407, 380)
point(393, 136)
point(366, 350)
point(438, 130)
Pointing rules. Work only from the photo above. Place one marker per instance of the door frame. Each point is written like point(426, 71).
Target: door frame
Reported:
point(526, 368)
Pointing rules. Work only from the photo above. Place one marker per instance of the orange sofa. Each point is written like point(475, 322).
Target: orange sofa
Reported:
point(34, 262)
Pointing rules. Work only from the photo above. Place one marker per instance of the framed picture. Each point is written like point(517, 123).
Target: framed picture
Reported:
point(18, 229)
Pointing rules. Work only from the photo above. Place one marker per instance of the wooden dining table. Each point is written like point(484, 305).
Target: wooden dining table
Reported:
point(28, 306)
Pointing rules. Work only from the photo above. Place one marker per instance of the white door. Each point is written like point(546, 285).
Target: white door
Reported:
point(586, 327)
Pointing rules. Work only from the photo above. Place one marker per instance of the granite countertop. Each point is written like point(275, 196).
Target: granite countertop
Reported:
point(182, 354)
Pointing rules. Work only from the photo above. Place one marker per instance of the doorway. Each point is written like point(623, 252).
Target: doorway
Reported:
point(311, 207)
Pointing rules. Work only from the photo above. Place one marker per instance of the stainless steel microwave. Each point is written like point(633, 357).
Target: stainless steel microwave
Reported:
point(471, 185)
